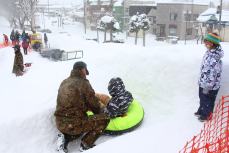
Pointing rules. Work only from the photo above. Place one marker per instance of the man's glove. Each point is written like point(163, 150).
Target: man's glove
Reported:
point(205, 91)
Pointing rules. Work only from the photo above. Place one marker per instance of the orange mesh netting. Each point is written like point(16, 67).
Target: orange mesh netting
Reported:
point(214, 137)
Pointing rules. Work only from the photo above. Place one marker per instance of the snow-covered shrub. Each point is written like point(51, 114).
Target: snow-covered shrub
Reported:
point(139, 22)
point(134, 24)
point(108, 23)
point(145, 23)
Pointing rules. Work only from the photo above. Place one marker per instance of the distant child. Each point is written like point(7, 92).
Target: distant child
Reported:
point(46, 40)
point(210, 76)
point(18, 67)
point(6, 40)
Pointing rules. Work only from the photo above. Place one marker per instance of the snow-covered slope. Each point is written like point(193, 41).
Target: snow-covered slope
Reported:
point(163, 77)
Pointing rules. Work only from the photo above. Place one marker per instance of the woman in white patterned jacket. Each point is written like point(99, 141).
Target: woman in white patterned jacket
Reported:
point(210, 76)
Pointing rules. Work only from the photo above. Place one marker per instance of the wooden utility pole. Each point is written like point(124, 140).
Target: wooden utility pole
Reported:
point(186, 25)
point(220, 15)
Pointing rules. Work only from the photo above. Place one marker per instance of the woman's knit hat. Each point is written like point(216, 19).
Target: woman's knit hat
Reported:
point(213, 37)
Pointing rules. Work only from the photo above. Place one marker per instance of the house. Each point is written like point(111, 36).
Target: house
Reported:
point(132, 7)
point(171, 18)
point(95, 9)
point(209, 22)
point(177, 19)
point(174, 18)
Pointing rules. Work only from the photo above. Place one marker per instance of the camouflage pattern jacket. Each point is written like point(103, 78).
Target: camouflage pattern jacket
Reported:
point(75, 98)
point(18, 66)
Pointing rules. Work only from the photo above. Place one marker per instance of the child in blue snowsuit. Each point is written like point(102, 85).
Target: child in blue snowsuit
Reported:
point(120, 100)
point(210, 76)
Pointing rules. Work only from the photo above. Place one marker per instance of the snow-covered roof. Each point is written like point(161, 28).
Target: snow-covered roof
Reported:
point(196, 2)
point(103, 2)
point(107, 19)
point(141, 2)
point(155, 2)
point(79, 14)
point(61, 2)
point(210, 14)
point(118, 3)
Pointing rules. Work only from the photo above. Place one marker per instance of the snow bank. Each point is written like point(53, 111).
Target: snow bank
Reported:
point(37, 133)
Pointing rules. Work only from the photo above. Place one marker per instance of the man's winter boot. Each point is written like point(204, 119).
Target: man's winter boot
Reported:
point(61, 146)
point(84, 147)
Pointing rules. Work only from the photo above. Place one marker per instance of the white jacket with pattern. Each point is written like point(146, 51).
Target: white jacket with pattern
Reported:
point(211, 69)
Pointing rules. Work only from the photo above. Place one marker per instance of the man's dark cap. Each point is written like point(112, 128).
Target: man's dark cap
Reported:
point(80, 65)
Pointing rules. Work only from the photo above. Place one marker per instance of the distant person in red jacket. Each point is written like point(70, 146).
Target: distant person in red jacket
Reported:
point(6, 40)
point(25, 43)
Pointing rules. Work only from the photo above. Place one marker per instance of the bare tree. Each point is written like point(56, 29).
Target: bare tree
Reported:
point(22, 11)
point(28, 10)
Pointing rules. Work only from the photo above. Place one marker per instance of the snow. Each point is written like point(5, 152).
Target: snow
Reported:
point(118, 3)
point(107, 19)
point(199, 2)
point(161, 76)
point(61, 2)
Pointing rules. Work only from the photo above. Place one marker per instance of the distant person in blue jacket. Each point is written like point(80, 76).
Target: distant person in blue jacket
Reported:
point(210, 76)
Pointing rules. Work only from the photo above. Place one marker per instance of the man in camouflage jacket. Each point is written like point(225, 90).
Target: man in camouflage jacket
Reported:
point(75, 98)
point(18, 67)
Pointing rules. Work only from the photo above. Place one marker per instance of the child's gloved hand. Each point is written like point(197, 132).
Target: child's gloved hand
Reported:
point(205, 91)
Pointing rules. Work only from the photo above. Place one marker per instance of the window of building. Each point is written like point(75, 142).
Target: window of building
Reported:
point(172, 30)
point(161, 31)
point(187, 17)
point(154, 19)
point(189, 31)
point(173, 16)
point(195, 16)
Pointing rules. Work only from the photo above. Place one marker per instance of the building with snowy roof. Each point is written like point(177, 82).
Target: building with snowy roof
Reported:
point(209, 21)
point(168, 18)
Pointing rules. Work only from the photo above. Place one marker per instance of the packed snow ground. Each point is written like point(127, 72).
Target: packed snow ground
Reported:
point(161, 76)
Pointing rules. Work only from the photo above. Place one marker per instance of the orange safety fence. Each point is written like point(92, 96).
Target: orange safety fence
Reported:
point(214, 137)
